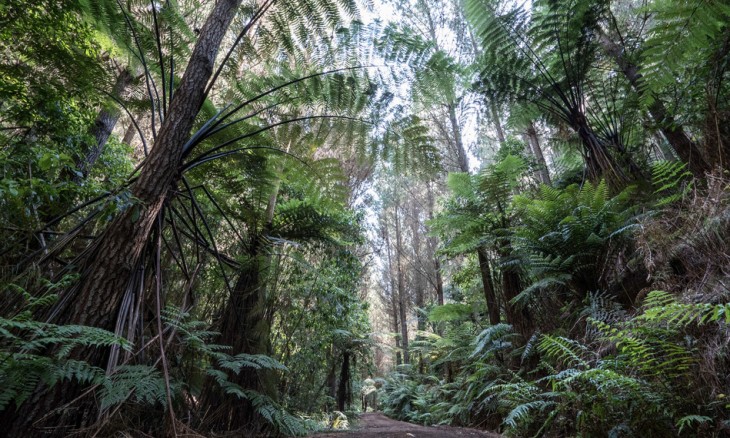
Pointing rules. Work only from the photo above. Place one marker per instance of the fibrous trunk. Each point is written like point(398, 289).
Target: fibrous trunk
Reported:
point(686, 149)
point(244, 328)
point(107, 273)
point(488, 286)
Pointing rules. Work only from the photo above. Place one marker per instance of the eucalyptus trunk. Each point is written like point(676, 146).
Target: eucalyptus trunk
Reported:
point(102, 128)
point(542, 169)
point(402, 295)
point(433, 244)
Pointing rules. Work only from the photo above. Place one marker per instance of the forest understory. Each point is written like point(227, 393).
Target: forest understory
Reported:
point(297, 217)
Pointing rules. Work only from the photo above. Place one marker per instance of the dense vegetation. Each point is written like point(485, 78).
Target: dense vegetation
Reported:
point(258, 217)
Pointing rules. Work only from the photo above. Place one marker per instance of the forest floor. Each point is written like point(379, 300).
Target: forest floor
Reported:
point(377, 425)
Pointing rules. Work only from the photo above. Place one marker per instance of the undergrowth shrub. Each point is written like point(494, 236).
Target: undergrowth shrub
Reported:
point(36, 355)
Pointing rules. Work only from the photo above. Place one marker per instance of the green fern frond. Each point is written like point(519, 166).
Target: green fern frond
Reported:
point(522, 412)
point(143, 383)
point(566, 351)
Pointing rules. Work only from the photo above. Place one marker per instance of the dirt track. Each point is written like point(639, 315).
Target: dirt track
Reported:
point(376, 425)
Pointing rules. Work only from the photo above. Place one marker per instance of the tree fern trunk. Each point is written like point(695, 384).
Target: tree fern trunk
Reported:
point(519, 318)
point(599, 159)
point(685, 148)
point(342, 395)
point(244, 328)
point(488, 286)
point(247, 330)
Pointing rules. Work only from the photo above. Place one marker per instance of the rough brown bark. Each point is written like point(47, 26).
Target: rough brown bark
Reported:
point(106, 276)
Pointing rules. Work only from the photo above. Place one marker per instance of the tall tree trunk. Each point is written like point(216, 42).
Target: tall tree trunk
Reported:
point(420, 301)
point(396, 327)
point(497, 124)
point(439, 282)
point(488, 285)
point(106, 277)
point(520, 319)
point(402, 296)
point(686, 149)
point(342, 390)
point(534, 142)
point(418, 283)
point(129, 134)
point(103, 127)
point(461, 156)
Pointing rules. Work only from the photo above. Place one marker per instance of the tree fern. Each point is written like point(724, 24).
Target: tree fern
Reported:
point(566, 234)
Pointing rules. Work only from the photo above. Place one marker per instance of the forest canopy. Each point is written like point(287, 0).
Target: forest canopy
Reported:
point(266, 217)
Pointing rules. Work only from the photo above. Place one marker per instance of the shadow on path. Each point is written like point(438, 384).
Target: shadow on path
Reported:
point(377, 425)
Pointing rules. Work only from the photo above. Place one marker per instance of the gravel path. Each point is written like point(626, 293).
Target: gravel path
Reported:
point(376, 425)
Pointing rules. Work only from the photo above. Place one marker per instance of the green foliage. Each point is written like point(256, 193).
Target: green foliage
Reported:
point(671, 181)
point(566, 234)
point(449, 312)
point(480, 208)
point(36, 353)
point(686, 40)
point(142, 383)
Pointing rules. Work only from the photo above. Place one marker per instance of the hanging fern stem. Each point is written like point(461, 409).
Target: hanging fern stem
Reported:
point(132, 118)
point(161, 59)
point(209, 131)
point(267, 128)
point(150, 83)
point(207, 228)
point(158, 315)
point(256, 17)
